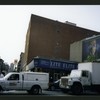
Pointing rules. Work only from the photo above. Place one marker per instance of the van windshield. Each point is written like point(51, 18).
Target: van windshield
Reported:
point(6, 76)
point(75, 73)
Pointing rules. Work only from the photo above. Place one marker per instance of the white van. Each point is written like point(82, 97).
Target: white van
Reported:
point(32, 82)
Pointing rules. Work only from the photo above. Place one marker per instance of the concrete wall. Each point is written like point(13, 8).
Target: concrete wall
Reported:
point(76, 51)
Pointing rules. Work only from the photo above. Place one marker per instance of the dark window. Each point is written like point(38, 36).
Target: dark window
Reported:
point(85, 74)
point(14, 77)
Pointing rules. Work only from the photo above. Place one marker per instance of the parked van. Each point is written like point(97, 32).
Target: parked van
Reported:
point(32, 82)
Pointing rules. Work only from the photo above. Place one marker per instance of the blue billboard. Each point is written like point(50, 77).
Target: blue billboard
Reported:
point(91, 49)
point(54, 64)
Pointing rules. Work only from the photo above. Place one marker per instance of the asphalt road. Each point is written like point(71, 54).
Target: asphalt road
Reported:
point(47, 95)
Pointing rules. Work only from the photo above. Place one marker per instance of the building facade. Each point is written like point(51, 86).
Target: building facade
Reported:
point(21, 62)
point(56, 68)
point(52, 39)
point(86, 50)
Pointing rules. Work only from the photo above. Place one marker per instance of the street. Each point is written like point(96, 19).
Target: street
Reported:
point(48, 93)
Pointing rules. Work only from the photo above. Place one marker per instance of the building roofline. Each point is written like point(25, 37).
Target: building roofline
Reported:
point(66, 23)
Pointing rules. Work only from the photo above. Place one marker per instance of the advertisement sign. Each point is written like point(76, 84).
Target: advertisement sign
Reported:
point(91, 49)
point(53, 64)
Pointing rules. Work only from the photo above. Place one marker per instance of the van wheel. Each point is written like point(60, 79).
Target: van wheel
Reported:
point(36, 90)
point(77, 89)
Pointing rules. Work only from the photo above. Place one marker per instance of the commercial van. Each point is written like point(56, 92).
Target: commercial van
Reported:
point(32, 82)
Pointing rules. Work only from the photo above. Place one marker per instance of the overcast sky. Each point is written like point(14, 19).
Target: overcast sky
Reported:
point(14, 21)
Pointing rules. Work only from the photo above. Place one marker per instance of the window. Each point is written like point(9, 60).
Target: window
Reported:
point(85, 74)
point(14, 77)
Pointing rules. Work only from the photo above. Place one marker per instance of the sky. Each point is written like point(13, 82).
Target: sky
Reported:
point(14, 21)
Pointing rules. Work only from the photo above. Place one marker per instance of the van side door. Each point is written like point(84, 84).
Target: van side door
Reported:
point(85, 78)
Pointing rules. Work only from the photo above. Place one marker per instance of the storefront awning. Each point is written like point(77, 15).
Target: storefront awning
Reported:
point(55, 64)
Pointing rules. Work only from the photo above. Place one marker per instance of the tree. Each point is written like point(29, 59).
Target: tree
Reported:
point(91, 58)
